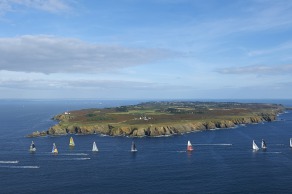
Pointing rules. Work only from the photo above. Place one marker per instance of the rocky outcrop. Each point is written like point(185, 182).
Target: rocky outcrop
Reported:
point(153, 130)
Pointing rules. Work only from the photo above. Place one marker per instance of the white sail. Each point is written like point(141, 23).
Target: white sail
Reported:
point(290, 142)
point(54, 149)
point(254, 146)
point(32, 147)
point(190, 147)
point(264, 145)
point(94, 148)
point(71, 143)
point(133, 147)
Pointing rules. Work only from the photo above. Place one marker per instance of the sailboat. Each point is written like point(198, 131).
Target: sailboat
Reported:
point(290, 142)
point(32, 147)
point(71, 142)
point(94, 148)
point(133, 147)
point(54, 149)
point(264, 145)
point(254, 146)
point(190, 147)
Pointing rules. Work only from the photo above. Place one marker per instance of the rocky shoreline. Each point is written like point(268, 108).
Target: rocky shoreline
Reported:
point(152, 130)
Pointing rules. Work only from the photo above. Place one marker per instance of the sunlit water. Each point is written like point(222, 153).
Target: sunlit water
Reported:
point(222, 160)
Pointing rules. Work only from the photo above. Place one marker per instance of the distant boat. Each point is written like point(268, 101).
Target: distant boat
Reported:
point(264, 145)
point(54, 149)
point(71, 142)
point(254, 146)
point(290, 142)
point(32, 147)
point(94, 148)
point(190, 147)
point(133, 147)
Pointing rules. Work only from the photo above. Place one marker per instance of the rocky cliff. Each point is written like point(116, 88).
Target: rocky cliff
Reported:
point(163, 129)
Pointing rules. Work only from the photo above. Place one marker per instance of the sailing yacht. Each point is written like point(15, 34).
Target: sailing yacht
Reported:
point(71, 142)
point(290, 142)
point(264, 145)
point(133, 147)
point(190, 147)
point(54, 149)
point(254, 146)
point(32, 147)
point(94, 148)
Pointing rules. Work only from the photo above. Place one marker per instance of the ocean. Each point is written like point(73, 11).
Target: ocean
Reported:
point(222, 161)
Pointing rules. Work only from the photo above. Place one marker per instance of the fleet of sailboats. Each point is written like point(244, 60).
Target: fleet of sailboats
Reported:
point(133, 147)
point(32, 147)
point(94, 148)
point(71, 143)
point(190, 147)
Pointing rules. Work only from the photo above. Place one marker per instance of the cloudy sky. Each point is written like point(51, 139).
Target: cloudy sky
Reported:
point(154, 49)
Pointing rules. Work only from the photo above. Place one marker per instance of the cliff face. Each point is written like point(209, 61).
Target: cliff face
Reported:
point(153, 129)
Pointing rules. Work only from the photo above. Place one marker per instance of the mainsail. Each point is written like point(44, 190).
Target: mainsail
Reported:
point(54, 149)
point(254, 146)
point(71, 142)
point(32, 147)
point(290, 142)
point(190, 147)
point(94, 148)
point(264, 145)
point(133, 147)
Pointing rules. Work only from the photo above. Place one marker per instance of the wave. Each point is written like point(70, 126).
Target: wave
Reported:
point(9, 162)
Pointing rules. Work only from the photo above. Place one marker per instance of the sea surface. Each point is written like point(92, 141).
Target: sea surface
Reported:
point(222, 161)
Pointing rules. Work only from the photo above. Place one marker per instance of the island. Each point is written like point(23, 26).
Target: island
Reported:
point(161, 118)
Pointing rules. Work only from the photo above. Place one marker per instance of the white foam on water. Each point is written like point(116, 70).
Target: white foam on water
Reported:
point(9, 162)
point(24, 167)
point(19, 167)
point(215, 144)
point(73, 158)
point(75, 154)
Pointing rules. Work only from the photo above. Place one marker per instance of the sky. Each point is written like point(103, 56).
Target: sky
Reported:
point(154, 49)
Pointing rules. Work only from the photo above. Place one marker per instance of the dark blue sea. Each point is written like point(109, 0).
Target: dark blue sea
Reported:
point(223, 160)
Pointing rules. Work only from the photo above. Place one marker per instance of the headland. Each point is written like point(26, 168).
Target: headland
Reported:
point(161, 118)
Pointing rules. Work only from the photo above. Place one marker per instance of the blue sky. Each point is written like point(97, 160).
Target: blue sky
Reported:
point(154, 49)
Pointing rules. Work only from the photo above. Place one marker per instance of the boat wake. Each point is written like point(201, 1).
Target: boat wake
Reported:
point(74, 159)
point(215, 144)
point(19, 167)
point(9, 162)
point(75, 154)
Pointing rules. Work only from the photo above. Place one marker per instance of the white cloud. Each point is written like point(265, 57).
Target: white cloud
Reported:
point(257, 69)
point(52, 6)
point(49, 54)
